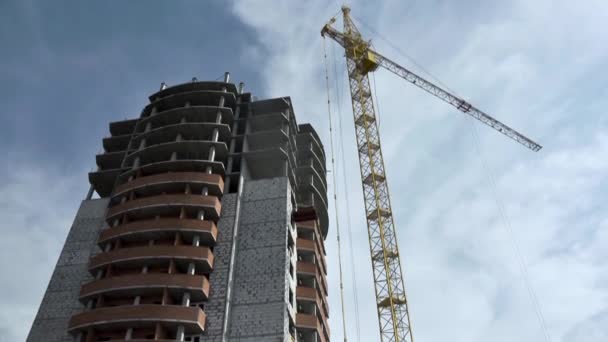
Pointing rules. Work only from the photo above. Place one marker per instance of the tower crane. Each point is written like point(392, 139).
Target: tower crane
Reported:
point(361, 59)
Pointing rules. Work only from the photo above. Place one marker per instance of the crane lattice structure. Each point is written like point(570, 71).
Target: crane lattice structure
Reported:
point(361, 59)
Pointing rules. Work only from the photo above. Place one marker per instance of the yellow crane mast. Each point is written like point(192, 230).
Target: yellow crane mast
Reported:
point(361, 59)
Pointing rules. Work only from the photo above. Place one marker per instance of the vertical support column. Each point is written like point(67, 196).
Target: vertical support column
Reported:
point(235, 230)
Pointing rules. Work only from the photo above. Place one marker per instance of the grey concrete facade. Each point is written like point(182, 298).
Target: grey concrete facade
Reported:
point(60, 300)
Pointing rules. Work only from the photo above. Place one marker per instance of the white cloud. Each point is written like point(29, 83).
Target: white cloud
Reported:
point(538, 66)
point(38, 202)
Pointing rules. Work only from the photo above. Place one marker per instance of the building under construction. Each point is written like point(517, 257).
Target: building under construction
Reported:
point(209, 226)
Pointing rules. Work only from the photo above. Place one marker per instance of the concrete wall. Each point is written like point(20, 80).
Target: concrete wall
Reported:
point(61, 298)
point(260, 298)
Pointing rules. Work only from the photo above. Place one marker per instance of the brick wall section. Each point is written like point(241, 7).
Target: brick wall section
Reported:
point(260, 297)
point(61, 297)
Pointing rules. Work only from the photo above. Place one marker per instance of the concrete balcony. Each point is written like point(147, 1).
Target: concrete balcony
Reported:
point(185, 164)
point(197, 149)
point(311, 246)
point(309, 294)
point(310, 269)
point(103, 180)
point(311, 228)
point(202, 257)
point(192, 86)
point(149, 283)
point(161, 204)
point(163, 182)
point(189, 130)
point(203, 114)
point(162, 229)
point(110, 160)
point(116, 143)
point(194, 98)
point(192, 318)
point(311, 323)
point(123, 127)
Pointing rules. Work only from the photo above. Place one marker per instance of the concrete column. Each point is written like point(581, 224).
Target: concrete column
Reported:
point(222, 102)
point(148, 127)
point(215, 135)
point(201, 215)
point(90, 193)
point(89, 304)
point(212, 153)
point(226, 77)
point(205, 191)
point(186, 299)
point(209, 170)
point(173, 156)
point(142, 144)
point(116, 222)
point(178, 138)
point(218, 117)
point(180, 333)
point(135, 163)
point(196, 240)
point(188, 190)
point(129, 334)
point(194, 79)
point(163, 86)
point(191, 268)
point(183, 120)
point(241, 87)
point(99, 274)
point(137, 300)
point(107, 247)
point(144, 269)
point(187, 104)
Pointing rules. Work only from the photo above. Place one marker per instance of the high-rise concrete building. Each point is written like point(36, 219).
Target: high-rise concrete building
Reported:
point(209, 226)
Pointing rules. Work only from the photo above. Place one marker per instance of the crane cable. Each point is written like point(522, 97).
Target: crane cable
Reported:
point(335, 190)
point(492, 184)
point(521, 261)
point(339, 97)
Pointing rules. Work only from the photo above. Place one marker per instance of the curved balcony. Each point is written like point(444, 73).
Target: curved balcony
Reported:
point(123, 127)
point(312, 226)
point(309, 294)
point(148, 283)
point(317, 199)
point(308, 268)
point(195, 98)
point(203, 114)
point(199, 149)
point(103, 180)
point(192, 318)
point(190, 86)
point(166, 204)
point(163, 182)
point(161, 229)
point(312, 247)
point(310, 322)
point(110, 160)
point(190, 130)
point(179, 165)
point(201, 256)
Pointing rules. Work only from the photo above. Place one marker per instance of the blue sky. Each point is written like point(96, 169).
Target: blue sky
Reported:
point(69, 68)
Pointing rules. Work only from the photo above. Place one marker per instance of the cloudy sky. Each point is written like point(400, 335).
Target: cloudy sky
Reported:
point(468, 202)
